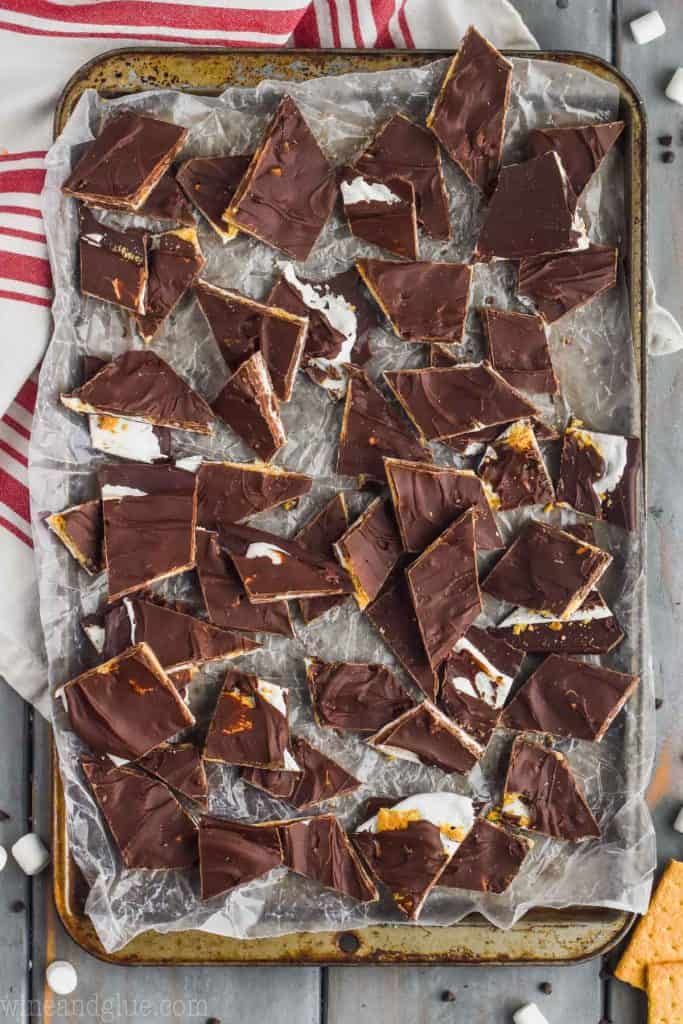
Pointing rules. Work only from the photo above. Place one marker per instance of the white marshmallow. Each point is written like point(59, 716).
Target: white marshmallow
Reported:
point(674, 90)
point(678, 823)
point(3, 857)
point(648, 27)
point(31, 854)
point(61, 977)
point(529, 1014)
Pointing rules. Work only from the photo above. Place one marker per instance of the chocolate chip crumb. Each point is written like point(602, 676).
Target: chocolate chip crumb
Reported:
point(448, 996)
point(17, 906)
point(563, 4)
point(665, 140)
point(605, 972)
point(668, 157)
point(546, 988)
point(658, 703)
point(213, 1020)
point(4, 816)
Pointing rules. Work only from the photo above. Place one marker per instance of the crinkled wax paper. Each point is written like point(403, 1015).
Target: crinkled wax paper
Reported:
point(593, 355)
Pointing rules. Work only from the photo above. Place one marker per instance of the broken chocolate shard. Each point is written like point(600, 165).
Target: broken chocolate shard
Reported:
point(488, 859)
point(274, 568)
point(278, 783)
point(150, 828)
point(319, 536)
point(140, 385)
point(559, 284)
point(319, 849)
point(125, 162)
point(129, 439)
point(518, 350)
point(393, 616)
point(429, 498)
point(119, 480)
point(406, 149)
point(353, 696)
point(321, 779)
point(80, 530)
point(482, 665)
point(569, 698)
point(468, 116)
point(166, 202)
point(225, 598)
point(444, 587)
point(249, 725)
point(181, 767)
point(233, 853)
point(127, 706)
point(582, 148)
point(228, 492)
point(474, 717)
point(247, 403)
point(175, 259)
point(591, 629)
point(113, 264)
point(381, 212)
point(425, 735)
point(447, 401)
point(210, 183)
point(547, 570)
point(371, 429)
point(542, 795)
point(599, 475)
point(289, 188)
point(423, 300)
point(369, 550)
point(513, 471)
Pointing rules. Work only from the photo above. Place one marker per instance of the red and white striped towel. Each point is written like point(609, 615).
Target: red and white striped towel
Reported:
point(42, 42)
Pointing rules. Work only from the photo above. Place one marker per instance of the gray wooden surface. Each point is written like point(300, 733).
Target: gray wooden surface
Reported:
point(404, 995)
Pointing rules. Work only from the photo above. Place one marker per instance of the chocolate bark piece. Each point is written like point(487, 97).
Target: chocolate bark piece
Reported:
point(488, 859)
point(547, 570)
point(225, 598)
point(599, 475)
point(80, 530)
point(228, 492)
point(150, 828)
point(381, 212)
point(289, 188)
point(468, 116)
point(481, 666)
point(531, 213)
point(274, 568)
point(175, 259)
point(125, 162)
point(559, 284)
point(369, 550)
point(248, 404)
point(233, 853)
point(393, 616)
point(513, 472)
point(166, 202)
point(444, 586)
point(371, 429)
point(569, 698)
point(129, 439)
point(117, 480)
point(210, 183)
point(113, 264)
point(424, 300)
point(447, 401)
point(180, 766)
point(404, 148)
point(249, 725)
point(428, 498)
point(319, 848)
point(591, 629)
point(353, 696)
point(141, 386)
point(177, 639)
point(127, 706)
point(474, 717)
point(518, 350)
point(582, 148)
point(242, 326)
point(277, 783)
point(321, 778)
point(426, 736)
point(318, 536)
point(542, 795)
point(93, 627)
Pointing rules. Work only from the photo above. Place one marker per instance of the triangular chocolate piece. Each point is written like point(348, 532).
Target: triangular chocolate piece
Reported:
point(248, 404)
point(488, 859)
point(80, 530)
point(381, 212)
point(232, 853)
point(393, 616)
point(558, 284)
point(591, 629)
point(167, 202)
point(318, 536)
point(210, 183)
point(175, 259)
point(518, 350)
point(425, 735)
point(142, 386)
point(599, 475)
point(582, 148)
point(321, 778)
point(319, 849)
point(276, 782)
point(249, 725)
point(482, 665)
point(180, 766)
point(369, 550)
point(228, 492)
point(353, 696)
point(513, 472)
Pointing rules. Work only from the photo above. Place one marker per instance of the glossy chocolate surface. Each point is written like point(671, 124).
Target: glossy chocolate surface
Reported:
point(180, 766)
point(423, 300)
point(246, 729)
point(581, 149)
point(80, 530)
point(353, 696)
point(488, 859)
point(113, 264)
point(318, 536)
point(175, 259)
point(228, 492)
point(232, 853)
point(431, 737)
point(370, 549)
point(584, 464)
point(558, 284)
point(518, 350)
point(248, 404)
point(210, 183)
point(393, 616)
point(513, 471)
point(407, 860)
point(319, 849)
point(389, 223)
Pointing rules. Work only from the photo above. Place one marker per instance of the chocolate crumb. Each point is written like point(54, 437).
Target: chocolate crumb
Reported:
point(605, 972)
point(448, 996)
point(665, 140)
point(17, 906)
point(563, 4)
point(4, 816)
point(668, 157)
point(213, 1020)
point(546, 988)
point(658, 703)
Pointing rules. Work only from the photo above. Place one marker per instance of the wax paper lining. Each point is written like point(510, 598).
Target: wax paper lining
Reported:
point(593, 355)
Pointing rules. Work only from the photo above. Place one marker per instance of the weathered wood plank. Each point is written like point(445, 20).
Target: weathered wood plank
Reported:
point(583, 25)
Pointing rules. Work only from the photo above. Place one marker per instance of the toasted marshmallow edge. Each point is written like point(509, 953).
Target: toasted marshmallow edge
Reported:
point(337, 311)
point(450, 812)
point(360, 190)
point(516, 809)
point(128, 439)
point(31, 854)
point(261, 549)
point(61, 977)
point(111, 491)
point(529, 1014)
point(275, 695)
point(525, 617)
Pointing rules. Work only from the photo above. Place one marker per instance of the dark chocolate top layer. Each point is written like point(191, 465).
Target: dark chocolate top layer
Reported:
point(581, 149)
point(513, 470)
point(180, 766)
point(247, 403)
point(175, 259)
point(232, 853)
point(246, 728)
point(587, 459)
point(210, 183)
point(228, 492)
point(389, 222)
point(353, 696)
point(404, 148)
point(318, 535)
point(473, 715)
point(149, 479)
point(80, 530)
point(424, 300)
point(166, 202)
point(561, 283)
point(321, 779)
point(407, 860)
point(393, 616)
point(289, 189)
point(113, 264)
point(319, 849)
point(518, 350)
point(587, 635)
point(370, 549)
point(425, 732)
point(149, 827)
point(279, 784)
point(488, 859)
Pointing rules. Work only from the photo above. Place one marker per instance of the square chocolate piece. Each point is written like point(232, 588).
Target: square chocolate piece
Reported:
point(248, 404)
point(228, 492)
point(210, 183)
point(113, 264)
point(561, 283)
point(175, 259)
point(355, 697)
point(319, 536)
point(369, 550)
point(518, 350)
point(233, 853)
point(513, 472)
point(600, 475)
point(381, 212)
point(80, 530)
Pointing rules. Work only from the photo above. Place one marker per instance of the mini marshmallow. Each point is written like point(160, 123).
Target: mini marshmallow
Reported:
point(31, 854)
point(3, 857)
point(529, 1014)
point(674, 90)
point(61, 977)
point(678, 823)
point(648, 27)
